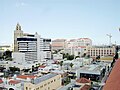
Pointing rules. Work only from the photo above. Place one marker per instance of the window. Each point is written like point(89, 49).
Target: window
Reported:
point(45, 84)
point(51, 81)
point(48, 82)
point(41, 86)
point(26, 88)
point(37, 88)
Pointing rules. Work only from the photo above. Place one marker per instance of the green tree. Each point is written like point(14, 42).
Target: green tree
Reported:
point(33, 68)
point(98, 57)
point(13, 69)
point(9, 59)
point(7, 54)
point(61, 64)
point(77, 57)
point(39, 64)
point(55, 52)
point(71, 57)
point(84, 55)
point(71, 65)
point(68, 56)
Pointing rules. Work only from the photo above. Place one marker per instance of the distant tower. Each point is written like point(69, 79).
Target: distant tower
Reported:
point(17, 33)
point(18, 27)
point(110, 36)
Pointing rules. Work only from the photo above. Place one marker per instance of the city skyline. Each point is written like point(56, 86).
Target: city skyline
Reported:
point(61, 19)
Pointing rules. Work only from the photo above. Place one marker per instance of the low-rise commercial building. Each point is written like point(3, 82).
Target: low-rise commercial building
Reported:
point(82, 84)
point(94, 72)
point(18, 57)
point(57, 56)
point(46, 82)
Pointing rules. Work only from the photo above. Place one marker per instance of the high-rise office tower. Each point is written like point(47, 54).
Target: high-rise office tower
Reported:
point(34, 47)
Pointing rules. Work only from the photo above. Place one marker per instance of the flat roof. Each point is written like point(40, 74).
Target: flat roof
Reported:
point(92, 69)
point(43, 78)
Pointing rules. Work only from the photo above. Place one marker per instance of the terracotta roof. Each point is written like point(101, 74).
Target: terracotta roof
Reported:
point(113, 82)
point(26, 76)
point(86, 87)
point(84, 38)
point(82, 46)
point(1, 81)
point(57, 44)
point(14, 81)
point(42, 66)
point(83, 80)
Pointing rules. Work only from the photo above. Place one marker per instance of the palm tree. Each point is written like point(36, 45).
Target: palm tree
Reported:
point(71, 65)
point(61, 64)
point(33, 68)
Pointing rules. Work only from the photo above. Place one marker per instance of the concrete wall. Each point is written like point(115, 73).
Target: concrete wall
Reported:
point(50, 84)
point(18, 57)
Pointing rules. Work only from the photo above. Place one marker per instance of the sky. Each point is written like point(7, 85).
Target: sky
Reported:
point(61, 19)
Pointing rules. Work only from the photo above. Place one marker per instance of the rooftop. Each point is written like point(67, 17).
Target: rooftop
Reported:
point(43, 78)
point(42, 66)
point(102, 46)
point(1, 81)
point(59, 40)
point(93, 69)
point(113, 82)
point(26, 76)
point(14, 81)
point(83, 80)
point(86, 87)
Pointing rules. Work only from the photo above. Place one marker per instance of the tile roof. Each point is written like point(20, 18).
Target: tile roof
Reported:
point(82, 46)
point(57, 44)
point(42, 66)
point(1, 81)
point(86, 87)
point(26, 76)
point(113, 82)
point(83, 80)
point(14, 81)
point(84, 38)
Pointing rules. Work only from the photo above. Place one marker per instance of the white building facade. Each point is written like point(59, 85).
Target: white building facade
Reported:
point(77, 47)
point(34, 47)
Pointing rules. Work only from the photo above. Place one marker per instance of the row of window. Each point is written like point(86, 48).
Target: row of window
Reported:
point(38, 88)
point(100, 54)
point(101, 50)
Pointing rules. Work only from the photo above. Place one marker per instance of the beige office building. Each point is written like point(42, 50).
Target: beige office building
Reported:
point(59, 44)
point(46, 82)
point(101, 51)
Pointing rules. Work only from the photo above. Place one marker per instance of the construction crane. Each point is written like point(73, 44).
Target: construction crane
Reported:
point(110, 36)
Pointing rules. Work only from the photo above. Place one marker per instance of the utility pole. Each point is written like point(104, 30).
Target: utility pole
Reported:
point(110, 36)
